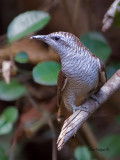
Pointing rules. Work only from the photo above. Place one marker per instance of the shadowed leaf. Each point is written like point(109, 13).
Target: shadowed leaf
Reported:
point(111, 146)
point(46, 73)
point(82, 153)
point(26, 23)
point(11, 91)
point(96, 42)
point(21, 57)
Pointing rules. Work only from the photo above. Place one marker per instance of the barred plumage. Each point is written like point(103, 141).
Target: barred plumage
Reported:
point(82, 72)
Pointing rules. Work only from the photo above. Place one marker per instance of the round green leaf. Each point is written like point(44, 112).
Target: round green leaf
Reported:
point(110, 146)
point(21, 57)
point(96, 42)
point(12, 91)
point(11, 114)
point(2, 120)
point(82, 153)
point(46, 73)
point(112, 68)
point(26, 23)
point(6, 128)
point(7, 118)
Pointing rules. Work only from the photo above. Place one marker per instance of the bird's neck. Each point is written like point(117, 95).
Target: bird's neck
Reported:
point(67, 54)
point(74, 60)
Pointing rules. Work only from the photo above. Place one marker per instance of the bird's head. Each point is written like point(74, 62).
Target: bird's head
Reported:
point(62, 42)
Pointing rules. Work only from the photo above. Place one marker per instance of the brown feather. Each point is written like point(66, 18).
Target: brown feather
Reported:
point(61, 83)
point(102, 75)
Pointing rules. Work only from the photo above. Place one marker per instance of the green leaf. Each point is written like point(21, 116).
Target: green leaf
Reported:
point(2, 120)
point(112, 68)
point(96, 42)
point(7, 118)
point(46, 73)
point(82, 153)
point(6, 128)
point(27, 23)
point(3, 155)
point(21, 57)
point(117, 17)
point(11, 114)
point(118, 119)
point(12, 91)
point(110, 146)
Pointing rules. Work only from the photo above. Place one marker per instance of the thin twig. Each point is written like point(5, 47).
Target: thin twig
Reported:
point(34, 103)
point(12, 151)
point(54, 151)
point(46, 115)
point(74, 122)
point(13, 143)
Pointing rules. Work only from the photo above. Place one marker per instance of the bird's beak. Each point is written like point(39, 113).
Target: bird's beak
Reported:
point(40, 37)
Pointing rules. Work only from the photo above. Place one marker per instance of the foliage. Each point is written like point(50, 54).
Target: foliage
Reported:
point(12, 91)
point(21, 57)
point(111, 146)
point(3, 155)
point(26, 23)
point(7, 119)
point(117, 16)
point(46, 73)
point(112, 68)
point(118, 119)
point(82, 153)
point(96, 42)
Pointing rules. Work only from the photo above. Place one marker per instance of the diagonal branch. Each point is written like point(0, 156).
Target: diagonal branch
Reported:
point(74, 122)
point(109, 15)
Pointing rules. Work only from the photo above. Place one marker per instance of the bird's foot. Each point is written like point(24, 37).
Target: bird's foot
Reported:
point(81, 108)
point(95, 98)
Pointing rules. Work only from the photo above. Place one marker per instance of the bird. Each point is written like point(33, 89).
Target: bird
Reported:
point(82, 73)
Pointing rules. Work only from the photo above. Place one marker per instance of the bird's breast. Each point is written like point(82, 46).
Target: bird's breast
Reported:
point(82, 72)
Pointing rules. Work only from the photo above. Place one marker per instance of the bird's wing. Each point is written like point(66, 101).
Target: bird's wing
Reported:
point(102, 75)
point(102, 71)
point(62, 112)
point(61, 83)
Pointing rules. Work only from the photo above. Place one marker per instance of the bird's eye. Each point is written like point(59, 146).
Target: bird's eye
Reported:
point(57, 38)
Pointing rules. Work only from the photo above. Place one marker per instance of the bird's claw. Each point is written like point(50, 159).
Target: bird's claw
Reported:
point(81, 108)
point(95, 98)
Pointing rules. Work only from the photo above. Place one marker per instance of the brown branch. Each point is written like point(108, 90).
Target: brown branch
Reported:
point(109, 16)
point(54, 151)
point(74, 122)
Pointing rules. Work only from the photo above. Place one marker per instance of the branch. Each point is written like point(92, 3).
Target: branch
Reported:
point(54, 151)
point(74, 122)
point(109, 16)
